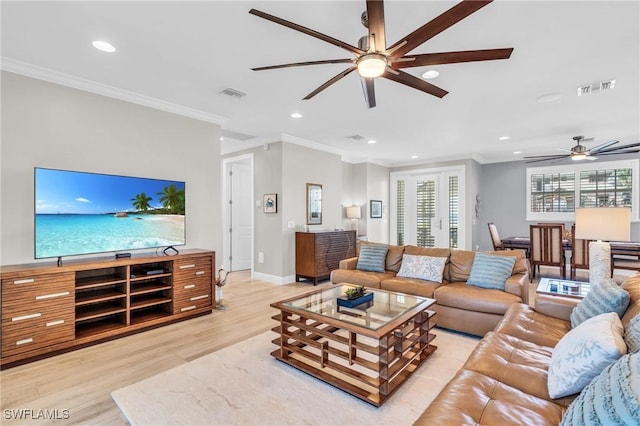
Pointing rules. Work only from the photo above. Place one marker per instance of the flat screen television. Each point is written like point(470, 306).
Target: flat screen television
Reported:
point(84, 213)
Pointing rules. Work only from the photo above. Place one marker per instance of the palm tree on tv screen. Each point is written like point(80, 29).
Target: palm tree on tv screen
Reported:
point(141, 202)
point(172, 199)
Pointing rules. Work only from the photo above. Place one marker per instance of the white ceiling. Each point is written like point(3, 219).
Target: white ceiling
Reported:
point(185, 53)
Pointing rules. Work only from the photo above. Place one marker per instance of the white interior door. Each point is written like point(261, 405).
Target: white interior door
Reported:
point(240, 213)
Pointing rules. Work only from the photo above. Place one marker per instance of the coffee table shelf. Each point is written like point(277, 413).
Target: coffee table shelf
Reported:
point(367, 358)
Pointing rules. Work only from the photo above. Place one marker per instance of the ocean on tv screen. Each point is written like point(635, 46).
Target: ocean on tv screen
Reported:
point(81, 213)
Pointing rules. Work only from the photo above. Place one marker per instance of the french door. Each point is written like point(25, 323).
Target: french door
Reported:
point(426, 209)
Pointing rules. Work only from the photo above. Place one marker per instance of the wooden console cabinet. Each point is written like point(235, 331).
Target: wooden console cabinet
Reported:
point(319, 253)
point(48, 309)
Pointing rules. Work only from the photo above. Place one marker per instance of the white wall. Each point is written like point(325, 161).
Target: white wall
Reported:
point(48, 125)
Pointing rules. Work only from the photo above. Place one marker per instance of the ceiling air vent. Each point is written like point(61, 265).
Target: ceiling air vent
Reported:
point(356, 137)
point(233, 93)
point(589, 89)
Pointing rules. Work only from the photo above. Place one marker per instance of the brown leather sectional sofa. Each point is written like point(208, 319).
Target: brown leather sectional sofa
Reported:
point(459, 306)
point(504, 380)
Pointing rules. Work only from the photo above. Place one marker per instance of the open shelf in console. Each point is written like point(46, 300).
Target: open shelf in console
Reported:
point(98, 310)
point(150, 313)
point(101, 277)
point(100, 325)
point(150, 270)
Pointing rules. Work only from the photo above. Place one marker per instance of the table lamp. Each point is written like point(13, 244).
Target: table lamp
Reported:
point(354, 213)
point(602, 224)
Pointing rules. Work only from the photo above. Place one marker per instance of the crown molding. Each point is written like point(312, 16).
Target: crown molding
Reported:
point(68, 80)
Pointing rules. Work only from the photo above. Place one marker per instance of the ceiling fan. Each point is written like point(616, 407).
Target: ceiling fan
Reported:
point(581, 152)
point(372, 58)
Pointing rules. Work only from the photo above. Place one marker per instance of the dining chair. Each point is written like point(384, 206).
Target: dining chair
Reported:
point(547, 247)
point(579, 253)
point(495, 237)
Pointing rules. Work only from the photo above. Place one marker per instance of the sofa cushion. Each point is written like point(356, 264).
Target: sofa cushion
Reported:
point(460, 262)
point(423, 267)
point(365, 278)
point(584, 352)
point(467, 297)
point(372, 258)
point(611, 398)
point(632, 334)
point(489, 271)
point(523, 322)
point(431, 251)
point(604, 296)
point(472, 398)
point(413, 286)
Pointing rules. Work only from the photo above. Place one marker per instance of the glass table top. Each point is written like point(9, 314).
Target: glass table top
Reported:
point(563, 287)
point(383, 308)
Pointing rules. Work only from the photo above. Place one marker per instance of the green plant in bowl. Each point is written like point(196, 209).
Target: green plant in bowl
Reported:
point(354, 292)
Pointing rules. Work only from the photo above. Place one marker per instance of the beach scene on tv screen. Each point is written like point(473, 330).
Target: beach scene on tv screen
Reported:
point(79, 213)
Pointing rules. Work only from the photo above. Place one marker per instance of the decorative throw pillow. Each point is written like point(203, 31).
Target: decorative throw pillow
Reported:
point(611, 398)
point(489, 271)
point(424, 267)
point(583, 353)
point(371, 257)
point(604, 296)
point(632, 334)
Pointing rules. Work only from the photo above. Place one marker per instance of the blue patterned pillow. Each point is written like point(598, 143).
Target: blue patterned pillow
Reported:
point(611, 398)
point(604, 296)
point(371, 257)
point(632, 334)
point(423, 267)
point(490, 271)
point(583, 353)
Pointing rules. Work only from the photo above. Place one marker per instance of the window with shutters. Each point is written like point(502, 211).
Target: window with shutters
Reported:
point(427, 207)
point(555, 192)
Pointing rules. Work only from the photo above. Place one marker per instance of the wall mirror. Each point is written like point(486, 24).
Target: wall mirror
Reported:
point(314, 204)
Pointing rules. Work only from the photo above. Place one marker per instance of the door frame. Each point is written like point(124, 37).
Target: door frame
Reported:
point(444, 172)
point(226, 217)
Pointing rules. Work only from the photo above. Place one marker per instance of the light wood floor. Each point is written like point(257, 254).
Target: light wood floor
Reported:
point(81, 381)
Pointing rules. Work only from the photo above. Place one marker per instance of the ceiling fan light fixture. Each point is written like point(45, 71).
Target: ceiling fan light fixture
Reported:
point(578, 157)
point(372, 65)
point(430, 74)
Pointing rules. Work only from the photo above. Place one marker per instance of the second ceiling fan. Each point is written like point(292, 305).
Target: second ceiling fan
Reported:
point(372, 58)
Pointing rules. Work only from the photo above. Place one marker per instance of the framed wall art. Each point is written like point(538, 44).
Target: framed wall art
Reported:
point(270, 203)
point(375, 209)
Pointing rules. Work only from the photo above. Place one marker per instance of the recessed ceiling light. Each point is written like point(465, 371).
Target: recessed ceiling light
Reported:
point(104, 46)
point(430, 74)
point(504, 138)
point(550, 97)
point(296, 115)
point(414, 156)
point(517, 152)
point(221, 138)
point(371, 141)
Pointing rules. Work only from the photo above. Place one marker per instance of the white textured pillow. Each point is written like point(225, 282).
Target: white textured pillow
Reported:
point(584, 352)
point(424, 267)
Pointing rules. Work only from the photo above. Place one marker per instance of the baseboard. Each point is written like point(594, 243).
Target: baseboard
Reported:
point(274, 279)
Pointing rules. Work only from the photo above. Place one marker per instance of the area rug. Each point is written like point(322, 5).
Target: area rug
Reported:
point(243, 385)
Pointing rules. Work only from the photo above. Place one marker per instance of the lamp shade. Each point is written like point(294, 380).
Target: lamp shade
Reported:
point(603, 223)
point(354, 212)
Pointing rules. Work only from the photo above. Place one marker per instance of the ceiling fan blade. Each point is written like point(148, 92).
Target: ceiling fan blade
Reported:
point(436, 26)
point(618, 148)
point(411, 81)
point(307, 31)
point(369, 91)
point(545, 159)
point(375, 16)
point(620, 152)
point(329, 83)
point(298, 64)
point(602, 146)
point(453, 57)
point(548, 156)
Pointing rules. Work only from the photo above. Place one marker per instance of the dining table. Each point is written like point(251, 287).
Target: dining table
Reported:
point(618, 248)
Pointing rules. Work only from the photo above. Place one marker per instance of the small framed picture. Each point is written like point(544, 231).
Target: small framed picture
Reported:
point(270, 203)
point(375, 209)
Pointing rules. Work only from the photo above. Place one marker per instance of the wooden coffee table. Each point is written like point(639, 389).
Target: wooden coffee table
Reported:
point(367, 351)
